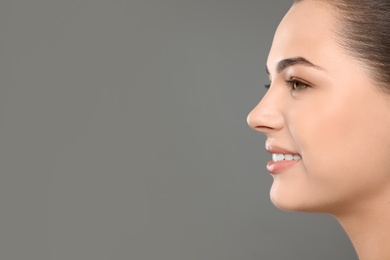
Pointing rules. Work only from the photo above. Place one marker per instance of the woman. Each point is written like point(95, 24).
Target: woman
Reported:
point(326, 116)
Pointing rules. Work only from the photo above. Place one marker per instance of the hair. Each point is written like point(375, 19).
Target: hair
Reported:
point(363, 30)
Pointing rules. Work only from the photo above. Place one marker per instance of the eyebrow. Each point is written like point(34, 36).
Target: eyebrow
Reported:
point(284, 64)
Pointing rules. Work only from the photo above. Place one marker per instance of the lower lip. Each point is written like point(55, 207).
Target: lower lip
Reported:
point(280, 166)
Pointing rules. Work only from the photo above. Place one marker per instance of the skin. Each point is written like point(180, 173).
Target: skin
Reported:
point(338, 120)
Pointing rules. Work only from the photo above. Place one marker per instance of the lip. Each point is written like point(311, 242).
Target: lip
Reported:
point(277, 149)
point(280, 166)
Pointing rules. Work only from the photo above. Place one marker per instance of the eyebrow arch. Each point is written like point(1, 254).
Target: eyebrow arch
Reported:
point(284, 64)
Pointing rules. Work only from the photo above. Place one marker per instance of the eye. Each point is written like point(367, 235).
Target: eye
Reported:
point(267, 86)
point(296, 85)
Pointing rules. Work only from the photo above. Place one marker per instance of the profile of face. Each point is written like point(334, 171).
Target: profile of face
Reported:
point(323, 107)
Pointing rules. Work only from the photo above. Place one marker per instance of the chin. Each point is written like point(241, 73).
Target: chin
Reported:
point(292, 203)
point(285, 205)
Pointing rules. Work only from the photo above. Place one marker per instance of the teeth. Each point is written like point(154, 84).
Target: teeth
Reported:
point(285, 157)
point(297, 157)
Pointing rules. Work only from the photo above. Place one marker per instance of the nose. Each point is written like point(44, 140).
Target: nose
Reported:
point(267, 116)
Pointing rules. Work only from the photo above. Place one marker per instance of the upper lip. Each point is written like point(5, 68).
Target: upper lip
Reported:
point(277, 149)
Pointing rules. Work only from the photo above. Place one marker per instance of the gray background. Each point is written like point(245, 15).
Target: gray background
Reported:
point(123, 134)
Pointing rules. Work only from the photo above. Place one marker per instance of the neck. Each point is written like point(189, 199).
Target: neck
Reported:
point(369, 230)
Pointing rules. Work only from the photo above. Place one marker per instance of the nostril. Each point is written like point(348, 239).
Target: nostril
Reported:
point(254, 119)
point(258, 121)
point(265, 121)
point(266, 117)
point(263, 128)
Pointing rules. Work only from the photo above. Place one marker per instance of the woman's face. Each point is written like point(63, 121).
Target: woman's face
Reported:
point(323, 106)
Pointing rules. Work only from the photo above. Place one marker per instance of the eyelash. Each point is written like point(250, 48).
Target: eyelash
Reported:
point(296, 85)
point(292, 84)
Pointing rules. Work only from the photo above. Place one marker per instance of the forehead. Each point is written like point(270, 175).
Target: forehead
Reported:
point(306, 31)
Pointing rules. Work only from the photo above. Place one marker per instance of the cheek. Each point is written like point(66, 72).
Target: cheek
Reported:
point(321, 131)
point(343, 147)
point(335, 128)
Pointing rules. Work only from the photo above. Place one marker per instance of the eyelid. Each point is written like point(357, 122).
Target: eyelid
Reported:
point(294, 83)
point(293, 80)
point(290, 82)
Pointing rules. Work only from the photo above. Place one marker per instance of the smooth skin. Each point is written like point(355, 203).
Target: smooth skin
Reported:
point(331, 112)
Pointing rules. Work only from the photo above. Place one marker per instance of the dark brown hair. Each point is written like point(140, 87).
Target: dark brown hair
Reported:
point(363, 28)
